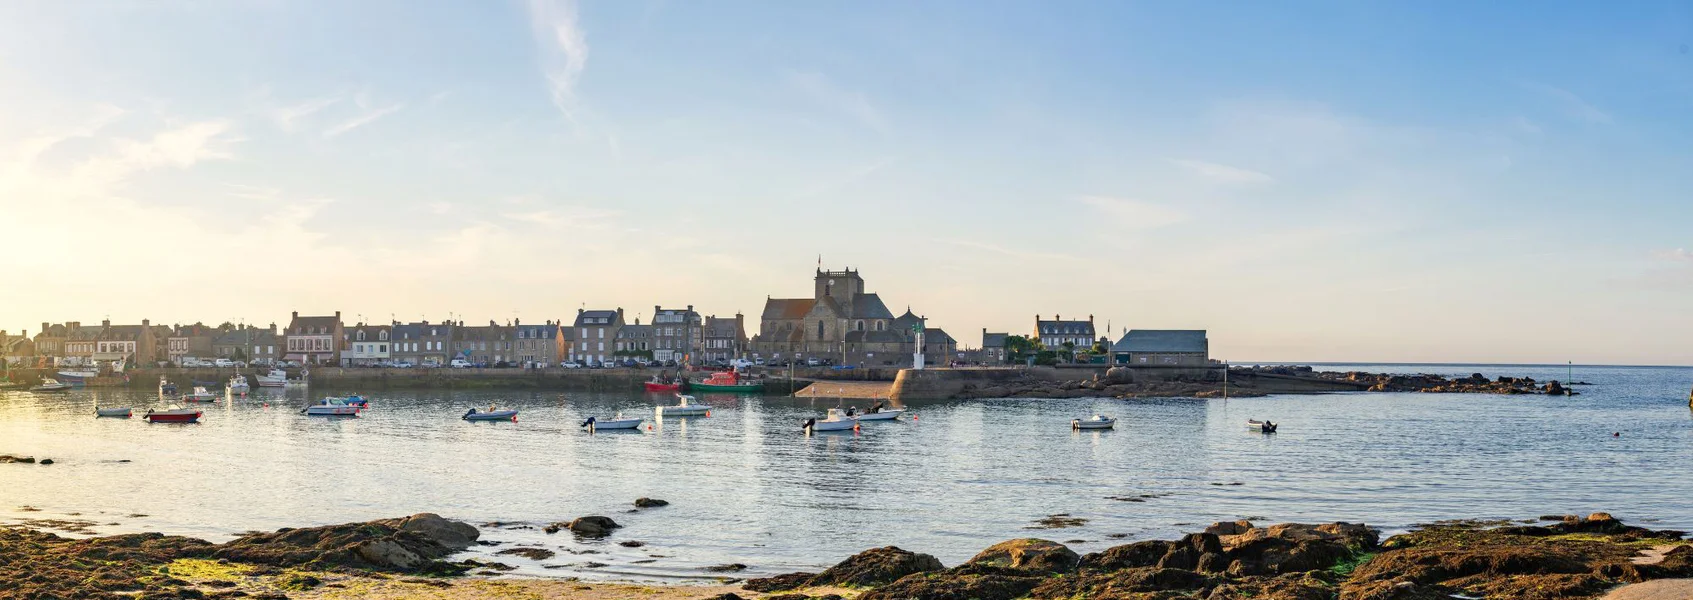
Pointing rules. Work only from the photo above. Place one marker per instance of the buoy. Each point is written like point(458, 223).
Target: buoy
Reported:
point(649, 426)
point(708, 413)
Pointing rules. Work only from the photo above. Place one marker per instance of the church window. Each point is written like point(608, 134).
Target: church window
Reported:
point(819, 330)
point(861, 326)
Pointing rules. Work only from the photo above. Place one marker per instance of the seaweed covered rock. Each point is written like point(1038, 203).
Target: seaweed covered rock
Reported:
point(1029, 554)
point(968, 582)
point(876, 566)
point(414, 543)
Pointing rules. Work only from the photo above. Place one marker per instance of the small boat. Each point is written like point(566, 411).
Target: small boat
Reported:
point(356, 400)
point(618, 422)
point(275, 378)
point(836, 421)
point(331, 407)
point(492, 415)
point(1261, 426)
point(174, 414)
point(1093, 422)
point(878, 413)
point(238, 385)
point(684, 408)
point(661, 385)
point(51, 385)
point(200, 395)
point(725, 381)
point(166, 388)
point(112, 412)
point(78, 376)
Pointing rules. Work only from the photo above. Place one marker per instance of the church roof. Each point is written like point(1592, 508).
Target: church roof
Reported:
point(776, 309)
point(870, 306)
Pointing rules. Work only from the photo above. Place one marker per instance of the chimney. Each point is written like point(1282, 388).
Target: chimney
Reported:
point(620, 313)
point(296, 314)
point(1057, 317)
point(517, 322)
point(1037, 318)
point(105, 322)
point(1090, 318)
point(580, 311)
point(44, 328)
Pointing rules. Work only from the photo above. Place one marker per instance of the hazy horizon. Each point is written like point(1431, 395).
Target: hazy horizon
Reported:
point(1429, 183)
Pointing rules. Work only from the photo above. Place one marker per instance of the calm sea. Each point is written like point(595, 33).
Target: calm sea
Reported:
point(746, 485)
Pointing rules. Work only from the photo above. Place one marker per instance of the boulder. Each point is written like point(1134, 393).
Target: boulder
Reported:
point(1138, 554)
point(1029, 554)
point(449, 533)
point(46, 461)
point(967, 582)
point(413, 543)
point(779, 583)
point(876, 566)
point(7, 458)
point(1229, 528)
point(1119, 375)
point(1554, 388)
point(650, 503)
point(593, 526)
point(1121, 584)
point(389, 553)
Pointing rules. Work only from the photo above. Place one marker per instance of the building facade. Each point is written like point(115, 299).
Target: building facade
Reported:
point(538, 344)
point(50, 340)
point(1054, 334)
point(422, 344)
point(80, 343)
point(190, 340)
point(993, 347)
point(483, 344)
point(725, 339)
point(678, 334)
point(634, 342)
point(314, 340)
point(367, 345)
point(840, 323)
point(131, 345)
point(1163, 348)
point(596, 335)
point(255, 345)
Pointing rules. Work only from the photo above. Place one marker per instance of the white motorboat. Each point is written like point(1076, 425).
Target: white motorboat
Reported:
point(200, 394)
point(878, 413)
point(51, 385)
point(238, 385)
point(836, 421)
point(1261, 426)
point(685, 407)
point(112, 412)
point(1094, 422)
point(331, 407)
point(491, 415)
point(275, 378)
point(78, 376)
point(618, 422)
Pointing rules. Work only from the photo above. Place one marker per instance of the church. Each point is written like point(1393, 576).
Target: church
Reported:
point(846, 324)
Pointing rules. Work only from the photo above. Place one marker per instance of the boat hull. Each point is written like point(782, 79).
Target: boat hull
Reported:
point(51, 388)
point(331, 411)
point(662, 387)
point(196, 398)
point(113, 412)
point(683, 411)
point(1080, 424)
point(617, 424)
point(172, 417)
point(886, 415)
point(738, 388)
point(834, 425)
point(499, 415)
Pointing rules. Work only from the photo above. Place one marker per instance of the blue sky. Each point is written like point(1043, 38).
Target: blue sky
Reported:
point(1308, 180)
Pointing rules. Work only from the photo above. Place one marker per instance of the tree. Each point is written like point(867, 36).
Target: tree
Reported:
point(1018, 348)
point(1070, 351)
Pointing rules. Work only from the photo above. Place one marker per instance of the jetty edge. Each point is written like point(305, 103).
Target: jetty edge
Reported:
point(1550, 557)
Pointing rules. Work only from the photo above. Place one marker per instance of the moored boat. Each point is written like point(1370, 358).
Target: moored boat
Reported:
point(166, 388)
point(491, 415)
point(836, 420)
point(200, 394)
point(275, 378)
point(618, 422)
point(124, 412)
point(77, 376)
point(173, 414)
point(51, 385)
point(1094, 422)
point(356, 400)
point(878, 413)
point(684, 407)
point(725, 381)
point(662, 385)
point(1261, 426)
point(238, 385)
point(331, 407)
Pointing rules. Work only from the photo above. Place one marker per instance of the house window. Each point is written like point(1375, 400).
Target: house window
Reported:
point(861, 326)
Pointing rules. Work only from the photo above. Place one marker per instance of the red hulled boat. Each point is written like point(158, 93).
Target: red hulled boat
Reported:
point(173, 415)
point(663, 385)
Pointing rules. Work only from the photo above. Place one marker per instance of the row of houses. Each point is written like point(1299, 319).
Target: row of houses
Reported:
point(1137, 347)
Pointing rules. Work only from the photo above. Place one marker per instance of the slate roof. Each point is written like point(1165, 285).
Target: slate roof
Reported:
point(121, 333)
point(313, 325)
point(870, 306)
point(235, 337)
point(1065, 328)
point(936, 335)
point(776, 309)
point(635, 332)
point(536, 332)
point(594, 317)
point(993, 340)
point(720, 327)
point(1163, 340)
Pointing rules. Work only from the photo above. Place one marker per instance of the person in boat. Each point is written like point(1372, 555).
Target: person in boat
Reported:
point(851, 411)
point(876, 408)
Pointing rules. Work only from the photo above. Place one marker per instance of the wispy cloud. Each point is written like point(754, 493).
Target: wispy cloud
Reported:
point(563, 50)
point(1678, 254)
point(180, 147)
point(1573, 105)
point(1129, 213)
point(1011, 252)
point(559, 218)
point(1223, 173)
point(854, 175)
point(825, 92)
point(285, 116)
point(368, 114)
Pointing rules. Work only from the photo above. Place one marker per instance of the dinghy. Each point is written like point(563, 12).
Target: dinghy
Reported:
point(1093, 422)
point(174, 414)
point(836, 421)
point(662, 384)
point(878, 413)
point(51, 385)
point(200, 395)
point(685, 407)
point(1261, 426)
point(618, 422)
point(331, 407)
point(356, 400)
point(492, 415)
point(112, 412)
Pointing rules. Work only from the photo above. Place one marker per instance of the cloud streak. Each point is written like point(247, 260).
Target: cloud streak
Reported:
point(563, 48)
point(1223, 173)
point(826, 92)
point(1129, 213)
point(1573, 105)
point(368, 116)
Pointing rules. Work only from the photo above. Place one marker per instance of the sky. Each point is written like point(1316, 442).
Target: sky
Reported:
point(1309, 181)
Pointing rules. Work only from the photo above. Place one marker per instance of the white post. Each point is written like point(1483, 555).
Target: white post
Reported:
point(917, 356)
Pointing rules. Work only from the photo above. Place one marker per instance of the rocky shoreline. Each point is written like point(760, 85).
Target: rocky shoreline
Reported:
point(1557, 557)
point(1247, 382)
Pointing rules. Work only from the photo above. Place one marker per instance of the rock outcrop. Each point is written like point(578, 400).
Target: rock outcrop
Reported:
point(413, 543)
point(1032, 555)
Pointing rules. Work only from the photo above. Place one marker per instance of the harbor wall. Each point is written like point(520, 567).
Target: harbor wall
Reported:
point(357, 379)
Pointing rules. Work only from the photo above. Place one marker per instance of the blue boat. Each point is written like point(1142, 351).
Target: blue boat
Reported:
point(356, 400)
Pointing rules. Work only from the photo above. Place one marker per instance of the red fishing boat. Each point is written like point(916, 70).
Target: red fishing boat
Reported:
point(173, 415)
point(659, 385)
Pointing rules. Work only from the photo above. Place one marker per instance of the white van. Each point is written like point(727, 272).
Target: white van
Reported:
point(459, 363)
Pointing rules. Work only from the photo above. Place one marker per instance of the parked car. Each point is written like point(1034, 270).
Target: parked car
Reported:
point(812, 362)
point(570, 364)
point(459, 363)
point(404, 364)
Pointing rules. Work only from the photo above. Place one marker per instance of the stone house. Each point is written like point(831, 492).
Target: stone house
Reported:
point(678, 334)
point(487, 344)
point(634, 341)
point(993, 347)
point(314, 340)
point(724, 339)
point(543, 344)
point(596, 335)
point(423, 343)
point(17, 349)
point(1054, 334)
point(255, 345)
point(367, 345)
point(50, 340)
point(1163, 348)
point(132, 345)
point(80, 343)
point(190, 340)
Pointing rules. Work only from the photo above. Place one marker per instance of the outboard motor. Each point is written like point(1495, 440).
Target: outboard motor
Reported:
point(467, 415)
point(808, 424)
point(589, 422)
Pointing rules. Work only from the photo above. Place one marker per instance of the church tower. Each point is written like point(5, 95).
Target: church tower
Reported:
point(842, 286)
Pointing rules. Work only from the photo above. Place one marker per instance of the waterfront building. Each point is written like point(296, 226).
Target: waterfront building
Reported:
point(677, 334)
point(18, 348)
point(542, 344)
point(596, 335)
point(1054, 334)
point(80, 343)
point(314, 340)
point(840, 323)
point(725, 339)
point(634, 341)
point(190, 340)
point(255, 345)
point(993, 347)
point(423, 344)
point(487, 344)
point(131, 345)
point(1163, 348)
point(50, 341)
point(367, 345)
